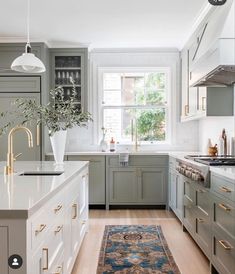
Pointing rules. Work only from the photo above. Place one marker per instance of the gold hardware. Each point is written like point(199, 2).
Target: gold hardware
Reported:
point(16, 156)
point(58, 229)
point(226, 208)
point(200, 220)
point(225, 189)
point(42, 227)
point(58, 270)
point(76, 211)
point(203, 103)
point(83, 222)
point(225, 245)
point(38, 137)
point(58, 208)
point(186, 110)
point(9, 168)
point(47, 260)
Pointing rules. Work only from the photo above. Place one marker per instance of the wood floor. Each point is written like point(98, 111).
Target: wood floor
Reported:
point(187, 255)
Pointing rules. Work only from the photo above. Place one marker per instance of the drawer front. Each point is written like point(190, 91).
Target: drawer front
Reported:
point(223, 187)
point(83, 222)
point(72, 190)
point(20, 84)
point(58, 266)
point(189, 215)
point(203, 232)
point(172, 163)
point(148, 161)
point(203, 201)
point(189, 191)
point(224, 216)
point(223, 253)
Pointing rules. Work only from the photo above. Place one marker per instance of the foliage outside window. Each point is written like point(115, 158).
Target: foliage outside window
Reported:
point(136, 99)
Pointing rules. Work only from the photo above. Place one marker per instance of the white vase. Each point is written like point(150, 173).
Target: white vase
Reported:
point(58, 141)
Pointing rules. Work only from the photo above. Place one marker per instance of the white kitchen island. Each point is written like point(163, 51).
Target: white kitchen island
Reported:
point(43, 218)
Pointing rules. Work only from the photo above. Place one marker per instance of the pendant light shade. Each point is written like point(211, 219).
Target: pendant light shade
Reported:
point(28, 62)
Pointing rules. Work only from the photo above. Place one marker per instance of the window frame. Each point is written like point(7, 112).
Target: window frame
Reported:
point(167, 107)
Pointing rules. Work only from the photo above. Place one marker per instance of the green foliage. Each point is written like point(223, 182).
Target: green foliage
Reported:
point(59, 114)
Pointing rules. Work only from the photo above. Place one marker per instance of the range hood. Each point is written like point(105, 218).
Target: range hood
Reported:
point(215, 64)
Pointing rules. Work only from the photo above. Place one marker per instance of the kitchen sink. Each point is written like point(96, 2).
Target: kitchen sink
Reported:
point(41, 173)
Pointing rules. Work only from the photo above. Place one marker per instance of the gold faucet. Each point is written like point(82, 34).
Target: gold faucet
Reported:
point(135, 134)
point(10, 155)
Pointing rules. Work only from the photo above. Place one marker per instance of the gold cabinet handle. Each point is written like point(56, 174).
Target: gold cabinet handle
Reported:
point(38, 137)
point(225, 245)
point(203, 103)
point(225, 189)
point(58, 270)
point(58, 229)
point(75, 211)
point(45, 250)
point(224, 207)
point(58, 208)
point(200, 220)
point(42, 227)
point(16, 156)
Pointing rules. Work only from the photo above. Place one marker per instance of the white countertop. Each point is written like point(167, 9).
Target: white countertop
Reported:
point(225, 171)
point(21, 196)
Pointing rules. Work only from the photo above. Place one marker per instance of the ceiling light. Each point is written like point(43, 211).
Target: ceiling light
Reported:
point(28, 62)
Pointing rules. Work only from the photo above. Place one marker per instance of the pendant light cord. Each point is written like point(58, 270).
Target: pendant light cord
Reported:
point(28, 47)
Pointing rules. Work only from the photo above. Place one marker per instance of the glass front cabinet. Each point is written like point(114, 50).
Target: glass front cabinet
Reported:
point(70, 63)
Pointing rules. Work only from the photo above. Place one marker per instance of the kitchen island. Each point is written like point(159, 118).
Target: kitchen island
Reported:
point(43, 216)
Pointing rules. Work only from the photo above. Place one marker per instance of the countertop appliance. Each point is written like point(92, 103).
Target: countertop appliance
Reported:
point(213, 160)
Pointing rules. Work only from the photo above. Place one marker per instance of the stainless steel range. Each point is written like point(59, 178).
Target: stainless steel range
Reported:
point(197, 169)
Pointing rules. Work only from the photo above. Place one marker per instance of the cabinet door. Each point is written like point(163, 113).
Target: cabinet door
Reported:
point(184, 83)
point(172, 190)
point(4, 249)
point(20, 137)
point(202, 96)
point(179, 196)
point(152, 185)
point(96, 177)
point(122, 185)
point(193, 100)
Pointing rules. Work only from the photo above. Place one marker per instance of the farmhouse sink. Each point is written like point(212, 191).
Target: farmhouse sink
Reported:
point(41, 173)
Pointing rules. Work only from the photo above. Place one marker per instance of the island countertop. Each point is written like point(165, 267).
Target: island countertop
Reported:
point(22, 196)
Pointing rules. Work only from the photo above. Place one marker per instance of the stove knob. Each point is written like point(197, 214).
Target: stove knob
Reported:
point(188, 173)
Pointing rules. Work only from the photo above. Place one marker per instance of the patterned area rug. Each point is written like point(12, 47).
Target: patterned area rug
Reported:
point(135, 249)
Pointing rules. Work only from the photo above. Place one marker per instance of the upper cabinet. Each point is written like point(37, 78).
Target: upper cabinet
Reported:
point(205, 100)
point(70, 63)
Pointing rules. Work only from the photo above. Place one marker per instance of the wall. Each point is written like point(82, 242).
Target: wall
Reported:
point(211, 127)
point(183, 134)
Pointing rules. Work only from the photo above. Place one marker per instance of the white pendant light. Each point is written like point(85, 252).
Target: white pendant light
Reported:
point(28, 62)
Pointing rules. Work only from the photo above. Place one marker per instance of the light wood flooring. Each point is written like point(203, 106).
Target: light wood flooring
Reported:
point(187, 255)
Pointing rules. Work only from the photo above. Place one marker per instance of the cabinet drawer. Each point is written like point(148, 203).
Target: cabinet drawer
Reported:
point(72, 190)
point(83, 220)
point(20, 84)
point(189, 191)
point(224, 216)
point(223, 187)
point(58, 266)
point(203, 201)
point(145, 161)
point(223, 253)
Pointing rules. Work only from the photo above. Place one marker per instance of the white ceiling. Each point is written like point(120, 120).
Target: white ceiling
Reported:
point(102, 23)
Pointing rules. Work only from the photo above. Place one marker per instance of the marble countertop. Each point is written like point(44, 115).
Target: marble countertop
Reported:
point(22, 196)
point(225, 171)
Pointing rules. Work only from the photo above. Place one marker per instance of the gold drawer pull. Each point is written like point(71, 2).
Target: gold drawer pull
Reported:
point(200, 220)
point(224, 207)
point(225, 189)
point(225, 245)
point(47, 260)
point(75, 211)
point(203, 103)
point(186, 110)
point(42, 227)
point(58, 229)
point(58, 270)
point(58, 208)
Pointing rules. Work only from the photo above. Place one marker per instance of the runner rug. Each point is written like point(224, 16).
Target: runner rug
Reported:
point(135, 249)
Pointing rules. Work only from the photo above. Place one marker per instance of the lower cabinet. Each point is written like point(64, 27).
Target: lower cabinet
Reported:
point(50, 239)
point(138, 184)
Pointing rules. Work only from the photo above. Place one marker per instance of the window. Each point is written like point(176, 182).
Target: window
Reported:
point(136, 102)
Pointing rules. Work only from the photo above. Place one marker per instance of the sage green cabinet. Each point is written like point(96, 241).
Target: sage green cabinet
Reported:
point(96, 177)
point(122, 185)
point(71, 62)
point(20, 137)
point(143, 182)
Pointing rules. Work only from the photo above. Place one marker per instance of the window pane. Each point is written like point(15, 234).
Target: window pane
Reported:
point(134, 89)
point(151, 124)
point(120, 123)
